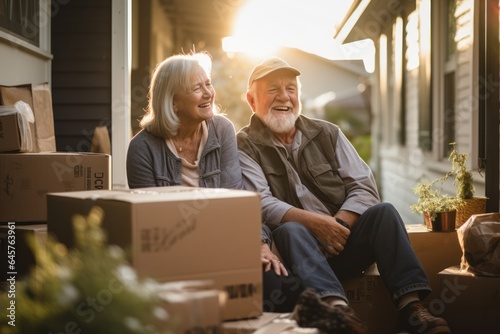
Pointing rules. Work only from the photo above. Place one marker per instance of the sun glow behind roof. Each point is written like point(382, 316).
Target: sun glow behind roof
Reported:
point(262, 26)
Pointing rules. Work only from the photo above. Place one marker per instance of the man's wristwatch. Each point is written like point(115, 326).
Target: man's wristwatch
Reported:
point(266, 241)
point(342, 222)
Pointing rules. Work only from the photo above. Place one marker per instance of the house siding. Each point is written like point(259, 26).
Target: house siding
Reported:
point(401, 167)
point(463, 76)
point(81, 72)
point(22, 62)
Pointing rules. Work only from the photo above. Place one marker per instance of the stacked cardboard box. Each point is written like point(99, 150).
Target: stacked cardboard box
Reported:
point(179, 233)
point(41, 131)
point(27, 175)
point(470, 303)
point(19, 258)
point(15, 132)
point(436, 251)
point(26, 178)
point(371, 300)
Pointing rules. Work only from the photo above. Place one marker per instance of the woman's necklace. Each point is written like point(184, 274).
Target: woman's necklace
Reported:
point(181, 144)
point(179, 147)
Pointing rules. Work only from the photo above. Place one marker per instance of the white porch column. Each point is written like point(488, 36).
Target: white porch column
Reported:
point(120, 88)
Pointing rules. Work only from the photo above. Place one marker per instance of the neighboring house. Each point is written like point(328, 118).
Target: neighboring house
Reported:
point(335, 90)
point(436, 82)
point(328, 82)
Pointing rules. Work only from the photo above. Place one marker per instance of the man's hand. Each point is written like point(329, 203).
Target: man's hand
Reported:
point(331, 235)
point(270, 260)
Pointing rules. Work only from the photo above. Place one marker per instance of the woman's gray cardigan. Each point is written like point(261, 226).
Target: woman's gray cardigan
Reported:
point(150, 163)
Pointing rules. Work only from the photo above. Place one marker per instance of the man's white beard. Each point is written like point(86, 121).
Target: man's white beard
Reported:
point(280, 123)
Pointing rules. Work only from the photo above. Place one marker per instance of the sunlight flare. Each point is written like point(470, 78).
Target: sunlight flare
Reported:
point(263, 26)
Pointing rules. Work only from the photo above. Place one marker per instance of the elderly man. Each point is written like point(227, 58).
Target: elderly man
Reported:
point(321, 202)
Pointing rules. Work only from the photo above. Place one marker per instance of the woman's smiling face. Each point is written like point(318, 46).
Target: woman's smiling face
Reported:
point(197, 103)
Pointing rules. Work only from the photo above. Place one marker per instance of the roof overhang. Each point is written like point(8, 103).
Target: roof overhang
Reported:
point(208, 18)
point(369, 18)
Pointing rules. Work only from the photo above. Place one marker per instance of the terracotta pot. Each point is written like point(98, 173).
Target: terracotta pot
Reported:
point(444, 221)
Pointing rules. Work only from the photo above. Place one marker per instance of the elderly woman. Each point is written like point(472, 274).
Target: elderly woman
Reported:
point(183, 141)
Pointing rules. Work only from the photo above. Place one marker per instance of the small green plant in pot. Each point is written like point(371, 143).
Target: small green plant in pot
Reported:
point(438, 209)
point(464, 183)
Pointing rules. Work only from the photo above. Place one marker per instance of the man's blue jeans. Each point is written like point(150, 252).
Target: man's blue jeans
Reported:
point(379, 235)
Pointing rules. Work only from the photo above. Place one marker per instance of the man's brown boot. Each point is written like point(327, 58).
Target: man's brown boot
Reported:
point(416, 319)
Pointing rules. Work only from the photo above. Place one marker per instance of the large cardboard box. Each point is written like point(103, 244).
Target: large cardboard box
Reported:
point(18, 259)
point(26, 178)
point(470, 303)
point(436, 251)
point(179, 233)
point(39, 98)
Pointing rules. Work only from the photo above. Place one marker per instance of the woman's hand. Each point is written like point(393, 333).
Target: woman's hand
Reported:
point(270, 260)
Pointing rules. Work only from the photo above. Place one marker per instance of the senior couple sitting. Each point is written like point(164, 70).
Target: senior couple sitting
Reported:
point(320, 204)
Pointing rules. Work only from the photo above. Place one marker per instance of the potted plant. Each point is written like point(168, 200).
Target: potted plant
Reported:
point(464, 183)
point(89, 288)
point(439, 210)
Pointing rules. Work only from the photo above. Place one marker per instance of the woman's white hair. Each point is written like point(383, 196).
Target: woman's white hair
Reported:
point(170, 77)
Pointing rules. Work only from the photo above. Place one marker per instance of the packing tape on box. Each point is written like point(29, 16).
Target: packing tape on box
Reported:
point(26, 117)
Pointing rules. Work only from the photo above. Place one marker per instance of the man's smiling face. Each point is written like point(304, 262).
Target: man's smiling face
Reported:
point(275, 99)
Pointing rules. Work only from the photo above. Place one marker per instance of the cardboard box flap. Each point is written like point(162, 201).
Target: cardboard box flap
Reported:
point(11, 94)
point(159, 194)
point(44, 116)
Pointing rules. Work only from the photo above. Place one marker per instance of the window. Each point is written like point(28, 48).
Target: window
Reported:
point(21, 18)
point(451, 28)
point(448, 17)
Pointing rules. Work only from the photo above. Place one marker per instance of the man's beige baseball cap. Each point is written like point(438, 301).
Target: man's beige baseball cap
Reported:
point(270, 65)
